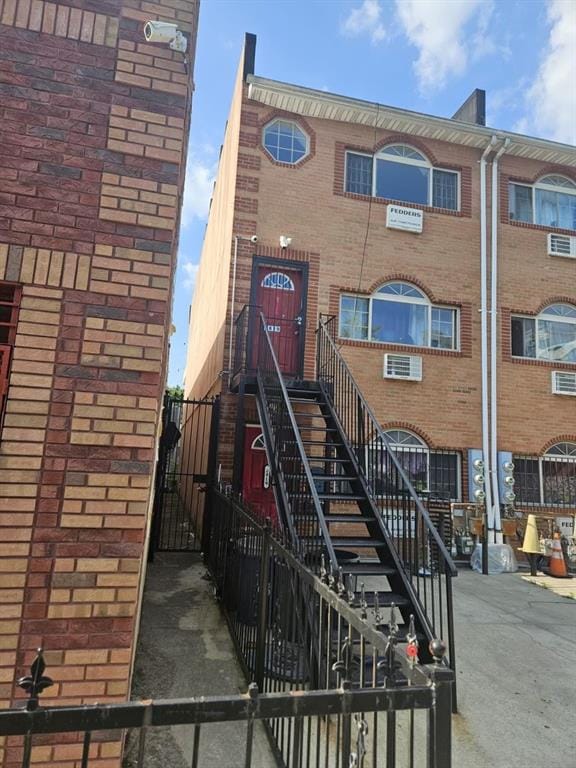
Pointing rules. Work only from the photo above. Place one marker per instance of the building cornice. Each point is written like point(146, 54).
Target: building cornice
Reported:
point(329, 106)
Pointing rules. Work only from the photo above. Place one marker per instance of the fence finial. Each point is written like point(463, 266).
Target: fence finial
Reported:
point(438, 650)
point(35, 683)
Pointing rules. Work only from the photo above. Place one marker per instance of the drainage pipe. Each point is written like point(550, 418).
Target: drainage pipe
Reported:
point(484, 336)
point(494, 347)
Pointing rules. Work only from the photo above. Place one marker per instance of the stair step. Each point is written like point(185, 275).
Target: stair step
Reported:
point(341, 497)
point(356, 542)
point(327, 478)
point(328, 460)
point(370, 568)
point(336, 518)
point(317, 429)
point(385, 599)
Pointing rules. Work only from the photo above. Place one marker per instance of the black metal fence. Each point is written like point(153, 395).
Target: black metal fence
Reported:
point(545, 481)
point(186, 459)
point(295, 633)
point(416, 543)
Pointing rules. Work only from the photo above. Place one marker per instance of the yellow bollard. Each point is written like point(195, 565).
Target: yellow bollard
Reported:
point(531, 544)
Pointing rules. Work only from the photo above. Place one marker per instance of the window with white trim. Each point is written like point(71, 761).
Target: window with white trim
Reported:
point(431, 472)
point(548, 480)
point(278, 281)
point(398, 313)
point(285, 141)
point(551, 202)
point(551, 335)
point(400, 172)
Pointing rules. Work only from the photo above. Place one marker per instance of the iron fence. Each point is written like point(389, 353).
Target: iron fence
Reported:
point(545, 481)
point(415, 542)
point(296, 632)
point(186, 458)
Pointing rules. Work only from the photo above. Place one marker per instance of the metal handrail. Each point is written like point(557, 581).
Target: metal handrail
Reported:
point(382, 436)
point(313, 493)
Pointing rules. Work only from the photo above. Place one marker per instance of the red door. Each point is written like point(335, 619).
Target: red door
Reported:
point(279, 296)
point(257, 480)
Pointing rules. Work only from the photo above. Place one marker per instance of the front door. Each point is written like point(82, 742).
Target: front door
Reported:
point(279, 296)
point(257, 479)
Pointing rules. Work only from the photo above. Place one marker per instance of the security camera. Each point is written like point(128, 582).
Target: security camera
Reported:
point(254, 239)
point(164, 32)
point(285, 242)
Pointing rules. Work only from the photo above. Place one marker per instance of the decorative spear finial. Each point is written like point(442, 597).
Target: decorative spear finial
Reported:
point(35, 683)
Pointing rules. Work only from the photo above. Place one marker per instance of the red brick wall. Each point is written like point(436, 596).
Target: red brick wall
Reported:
point(93, 130)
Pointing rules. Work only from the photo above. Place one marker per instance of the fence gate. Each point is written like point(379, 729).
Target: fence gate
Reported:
point(186, 461)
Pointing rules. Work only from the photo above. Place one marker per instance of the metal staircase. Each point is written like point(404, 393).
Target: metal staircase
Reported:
point(346, 502)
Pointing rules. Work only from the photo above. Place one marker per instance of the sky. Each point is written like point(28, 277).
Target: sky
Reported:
point(424, 55)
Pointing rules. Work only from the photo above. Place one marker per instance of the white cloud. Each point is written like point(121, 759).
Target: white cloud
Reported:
point(365, 20)
point(200, 175)
point(190, 272)
point(438, 29)
point(551, 101)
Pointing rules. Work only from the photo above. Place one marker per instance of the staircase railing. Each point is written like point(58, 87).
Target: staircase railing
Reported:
point(418, 545)
point(301, 508)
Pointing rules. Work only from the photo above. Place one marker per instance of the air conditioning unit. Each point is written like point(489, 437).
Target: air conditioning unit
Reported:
point(407, 367)
point(563, 383)
point(561, 245)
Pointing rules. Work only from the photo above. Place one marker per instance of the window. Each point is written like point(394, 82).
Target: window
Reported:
point(285, 141)
point(434, 473)
point(398, 313)
point(278, 281)
point(551, 202)
point(399, 172)
point(258, 443)
point(549, 336)
point(549, 480)
point(9, 304)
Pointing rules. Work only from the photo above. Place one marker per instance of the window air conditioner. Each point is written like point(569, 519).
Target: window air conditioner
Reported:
point(561, 245)
point(563, 383)
point(408, 367)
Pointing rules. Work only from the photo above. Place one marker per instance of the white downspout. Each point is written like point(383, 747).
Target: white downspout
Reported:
point(484, 334)
point(494, 347)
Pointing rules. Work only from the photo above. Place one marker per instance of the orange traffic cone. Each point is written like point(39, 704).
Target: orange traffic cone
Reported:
point(557, 564)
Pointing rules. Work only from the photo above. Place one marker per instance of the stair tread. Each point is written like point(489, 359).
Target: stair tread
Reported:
point(385, 599)
point(356, 541)
point(362, 568)
point(336, 518)
point(341, 496)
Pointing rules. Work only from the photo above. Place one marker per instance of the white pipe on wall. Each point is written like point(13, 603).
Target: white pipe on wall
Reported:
point(494, 347)
point(484, 333)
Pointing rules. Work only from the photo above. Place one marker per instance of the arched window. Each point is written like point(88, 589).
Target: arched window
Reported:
point(278, 281)
point(398, 313)
point(435, 474)
point(549, 480)
point(550, 202)
point(400, 172)
point(258, 443)
point(285, 141)
point(551, 335)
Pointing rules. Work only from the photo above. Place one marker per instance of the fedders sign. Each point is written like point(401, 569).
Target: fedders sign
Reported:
point(409, 219)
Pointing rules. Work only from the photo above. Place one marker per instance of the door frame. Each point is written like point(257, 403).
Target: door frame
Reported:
point(264, 261)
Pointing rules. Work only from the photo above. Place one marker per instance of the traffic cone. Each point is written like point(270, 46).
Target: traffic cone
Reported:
point(531, 544)
point(557, 564)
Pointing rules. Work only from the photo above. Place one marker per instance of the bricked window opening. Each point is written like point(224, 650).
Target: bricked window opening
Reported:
point(9, 304)
point(548, 480)
point(549, 336)
point(398, 313)
point(400, 172)
point(285, 141)
point(550, 202)
point(431, 472)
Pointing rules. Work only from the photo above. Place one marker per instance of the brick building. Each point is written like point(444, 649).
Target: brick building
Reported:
point(443, 248)
point(93, 134)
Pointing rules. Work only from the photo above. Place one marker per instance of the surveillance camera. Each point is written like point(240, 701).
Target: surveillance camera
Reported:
point(254, 239)
point(164, 32)
point(285, 241)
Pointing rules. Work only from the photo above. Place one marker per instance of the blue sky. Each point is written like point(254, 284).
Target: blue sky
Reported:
point(425, 55)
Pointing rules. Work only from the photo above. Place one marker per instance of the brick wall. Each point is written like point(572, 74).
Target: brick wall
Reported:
point(93, 130)
point(328, 230)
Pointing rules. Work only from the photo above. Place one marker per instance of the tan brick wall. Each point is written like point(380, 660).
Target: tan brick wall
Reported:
point(91, 181)
point(306, 203)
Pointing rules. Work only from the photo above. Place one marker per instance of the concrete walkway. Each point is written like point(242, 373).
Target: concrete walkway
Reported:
point(516, 652)
point(184, 649)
